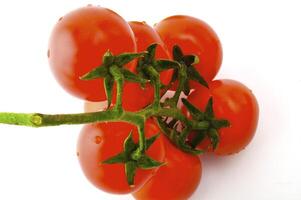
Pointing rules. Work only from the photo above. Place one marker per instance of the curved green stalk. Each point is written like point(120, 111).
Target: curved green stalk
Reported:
point(119, 78)
point(182, 77)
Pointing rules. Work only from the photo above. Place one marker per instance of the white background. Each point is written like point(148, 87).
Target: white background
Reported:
point(262, 45)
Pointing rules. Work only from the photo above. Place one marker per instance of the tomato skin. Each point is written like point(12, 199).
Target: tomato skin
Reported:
point(232, 101)
point(98, 142)
point(135, 98)
point(177, 180)
point(194, 37)
point(77, 44)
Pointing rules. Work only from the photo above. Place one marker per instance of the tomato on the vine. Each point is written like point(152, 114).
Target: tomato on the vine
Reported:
point(194, 37)
point(77, 44)
point(134, 97)
point(98, 142)
point(232, 101)
point(176, 180)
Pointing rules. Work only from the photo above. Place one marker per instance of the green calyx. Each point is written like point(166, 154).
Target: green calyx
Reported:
point(149, 67)
point(214, 124)
point(133, 158)
point(188, 62)
point(184, 72)
point(112, 69)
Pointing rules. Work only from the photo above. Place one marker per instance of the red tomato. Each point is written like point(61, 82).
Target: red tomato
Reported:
point(98, 142)
point(232, 101)
point(177, 180)
point(194, 37)
point(78, 43)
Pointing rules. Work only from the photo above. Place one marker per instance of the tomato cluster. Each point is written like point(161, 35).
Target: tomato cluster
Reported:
point(77, 45)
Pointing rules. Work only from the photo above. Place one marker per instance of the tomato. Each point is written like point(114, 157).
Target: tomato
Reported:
point(194, 37)
point(77, 44)
point(98, 142)
point(232, 101)
point(176, 180)
point(134, 97)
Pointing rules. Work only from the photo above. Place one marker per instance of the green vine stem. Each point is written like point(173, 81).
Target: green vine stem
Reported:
point(182, 77)
point(156, 82)
point(136, 118)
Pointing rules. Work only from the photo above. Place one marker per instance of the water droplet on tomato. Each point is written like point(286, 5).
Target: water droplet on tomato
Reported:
point(77, 153)
point(60, 18)
point(98, 140)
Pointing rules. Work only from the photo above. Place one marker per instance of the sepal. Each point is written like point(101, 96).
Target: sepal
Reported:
point(188, 61)
point(194, 75)
point(146, 162)
point(98, 72)
point(214, 137)
point(131, 77)
point(119, 158)
point(125, 58)
point(195, 113)
point(130, 171)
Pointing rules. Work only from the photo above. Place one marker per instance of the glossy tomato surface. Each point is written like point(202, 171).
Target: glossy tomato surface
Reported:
point(98, 142)
point(176, 180)
point(77, 44)
point(196, 37)
point(232, 101)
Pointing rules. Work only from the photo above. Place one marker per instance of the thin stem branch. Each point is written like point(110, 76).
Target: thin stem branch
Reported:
point(142, 140)
point(155, 77)
point(182, 79)
point(119, 78)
